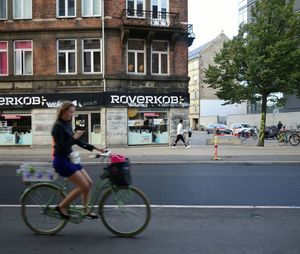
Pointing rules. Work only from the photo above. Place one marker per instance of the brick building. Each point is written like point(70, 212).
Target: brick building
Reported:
point(124, 63)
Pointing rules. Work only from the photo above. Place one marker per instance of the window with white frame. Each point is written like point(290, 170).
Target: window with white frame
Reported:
point(22, 9)
point(160, 9)
point(135, 8)
point(160, 57)
point(3, 59)
point(66, 8)
point(66, 55)
point(3, 9)
point(91, 8)
point(243, 16)
point(136, 56)
point(23, 57)
point(91, 55)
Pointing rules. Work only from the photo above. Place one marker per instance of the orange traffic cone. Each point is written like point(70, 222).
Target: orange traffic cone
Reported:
point(216, 149)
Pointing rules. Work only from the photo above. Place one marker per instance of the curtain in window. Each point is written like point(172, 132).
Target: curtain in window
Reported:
point(97, 8)
point(3, 63)
point(27, 62)
point(17, 9)
point(18, 62)
point(27, 7)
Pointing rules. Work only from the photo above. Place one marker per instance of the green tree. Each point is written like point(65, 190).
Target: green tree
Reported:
point(263, 59)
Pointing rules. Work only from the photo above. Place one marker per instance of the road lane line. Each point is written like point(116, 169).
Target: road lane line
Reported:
point(200, 206)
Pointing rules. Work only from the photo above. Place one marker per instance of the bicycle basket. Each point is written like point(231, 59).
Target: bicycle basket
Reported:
point(37, 172)
point(119, 173)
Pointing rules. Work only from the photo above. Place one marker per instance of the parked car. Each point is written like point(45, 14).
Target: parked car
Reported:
point(220, 129)
point(242, 127)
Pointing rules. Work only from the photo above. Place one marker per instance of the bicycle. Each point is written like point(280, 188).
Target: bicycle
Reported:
point(294, 139)
point(243, 135)
point(124, 210)
point(282, 136)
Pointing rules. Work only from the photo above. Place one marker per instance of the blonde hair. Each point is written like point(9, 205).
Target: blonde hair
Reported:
point(63, 108)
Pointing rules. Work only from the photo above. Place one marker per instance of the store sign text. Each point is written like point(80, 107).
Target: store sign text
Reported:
point(147, 99)
point(21, 101)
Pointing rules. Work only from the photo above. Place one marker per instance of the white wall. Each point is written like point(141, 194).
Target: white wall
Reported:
point(287, 119)
point(42, 122)
point(215, 107)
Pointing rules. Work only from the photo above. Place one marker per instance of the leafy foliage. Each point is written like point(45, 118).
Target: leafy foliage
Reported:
point(264, 58)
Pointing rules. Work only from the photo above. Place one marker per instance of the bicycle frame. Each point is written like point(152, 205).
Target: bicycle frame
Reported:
point(77, 212)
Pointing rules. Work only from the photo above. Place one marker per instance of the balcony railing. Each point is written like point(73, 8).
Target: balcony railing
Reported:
point(150, 18)
point(191, 35)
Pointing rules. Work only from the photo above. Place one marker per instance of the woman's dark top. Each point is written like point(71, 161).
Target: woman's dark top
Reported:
point(62, 134)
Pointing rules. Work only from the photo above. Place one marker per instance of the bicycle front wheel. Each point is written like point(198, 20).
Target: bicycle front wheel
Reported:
point(125, 211)
point(294, 139)
point(37, 206)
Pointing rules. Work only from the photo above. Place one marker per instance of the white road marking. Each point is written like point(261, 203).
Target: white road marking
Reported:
point(200, 207)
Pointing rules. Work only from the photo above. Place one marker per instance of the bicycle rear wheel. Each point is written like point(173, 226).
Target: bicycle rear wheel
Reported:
point(294, 139)
point(37, 206)
point(125, 211)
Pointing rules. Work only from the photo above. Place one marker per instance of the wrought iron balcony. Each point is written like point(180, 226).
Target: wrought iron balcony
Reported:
point(191, 35)
point(150, 18)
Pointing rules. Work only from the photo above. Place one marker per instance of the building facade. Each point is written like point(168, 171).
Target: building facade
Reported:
point(122, 62)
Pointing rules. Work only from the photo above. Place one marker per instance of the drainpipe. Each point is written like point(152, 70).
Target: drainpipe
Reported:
point(103, 68)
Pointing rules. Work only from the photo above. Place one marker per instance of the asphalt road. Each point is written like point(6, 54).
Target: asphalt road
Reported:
point(174, 228)
point(196, 184)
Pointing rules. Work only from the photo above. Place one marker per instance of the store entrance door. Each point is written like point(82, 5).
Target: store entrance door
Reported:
point(82, 123)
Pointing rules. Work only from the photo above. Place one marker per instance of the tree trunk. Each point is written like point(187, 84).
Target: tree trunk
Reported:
point(261, 140)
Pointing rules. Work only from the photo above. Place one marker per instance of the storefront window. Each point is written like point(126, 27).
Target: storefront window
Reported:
point(15, 129)
point(147, 127)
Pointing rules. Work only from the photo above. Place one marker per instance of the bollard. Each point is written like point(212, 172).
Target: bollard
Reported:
point(216, 149)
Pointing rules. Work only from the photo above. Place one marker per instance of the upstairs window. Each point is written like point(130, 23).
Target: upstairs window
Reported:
point(66, 56)
point(22, 9)
point(3, 10)
point(66, 8)
point(3, 59)
point(160, 57)
point(136, 57)
point(91, 8)
point(91, 56)
point(135, 8)
point(23, 57)
point(160, 9)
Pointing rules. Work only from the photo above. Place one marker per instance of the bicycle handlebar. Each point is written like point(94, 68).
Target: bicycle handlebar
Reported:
point(106, 154)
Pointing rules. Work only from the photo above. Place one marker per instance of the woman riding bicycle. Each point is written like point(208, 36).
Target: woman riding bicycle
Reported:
point(64, 138)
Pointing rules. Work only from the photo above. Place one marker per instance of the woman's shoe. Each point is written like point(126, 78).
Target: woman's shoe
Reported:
point(63, 215)
point(91, 215)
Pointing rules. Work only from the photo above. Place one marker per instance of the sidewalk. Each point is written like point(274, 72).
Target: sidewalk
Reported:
point(198, 153)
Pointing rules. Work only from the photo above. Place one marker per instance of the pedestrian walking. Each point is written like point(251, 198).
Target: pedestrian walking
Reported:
point(179, 135)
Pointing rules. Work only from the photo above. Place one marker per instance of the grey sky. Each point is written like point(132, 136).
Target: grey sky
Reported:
point(209, 17)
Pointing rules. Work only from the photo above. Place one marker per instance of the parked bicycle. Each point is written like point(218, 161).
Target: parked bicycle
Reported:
point(283, 136)
point(294, 138)
point(124, 209)
point(243, 135)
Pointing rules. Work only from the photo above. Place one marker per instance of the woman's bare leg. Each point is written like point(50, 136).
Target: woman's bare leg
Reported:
point(82, 186)
point(86, 195)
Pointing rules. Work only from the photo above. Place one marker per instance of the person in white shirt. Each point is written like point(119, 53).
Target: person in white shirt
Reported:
point(180, 135)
